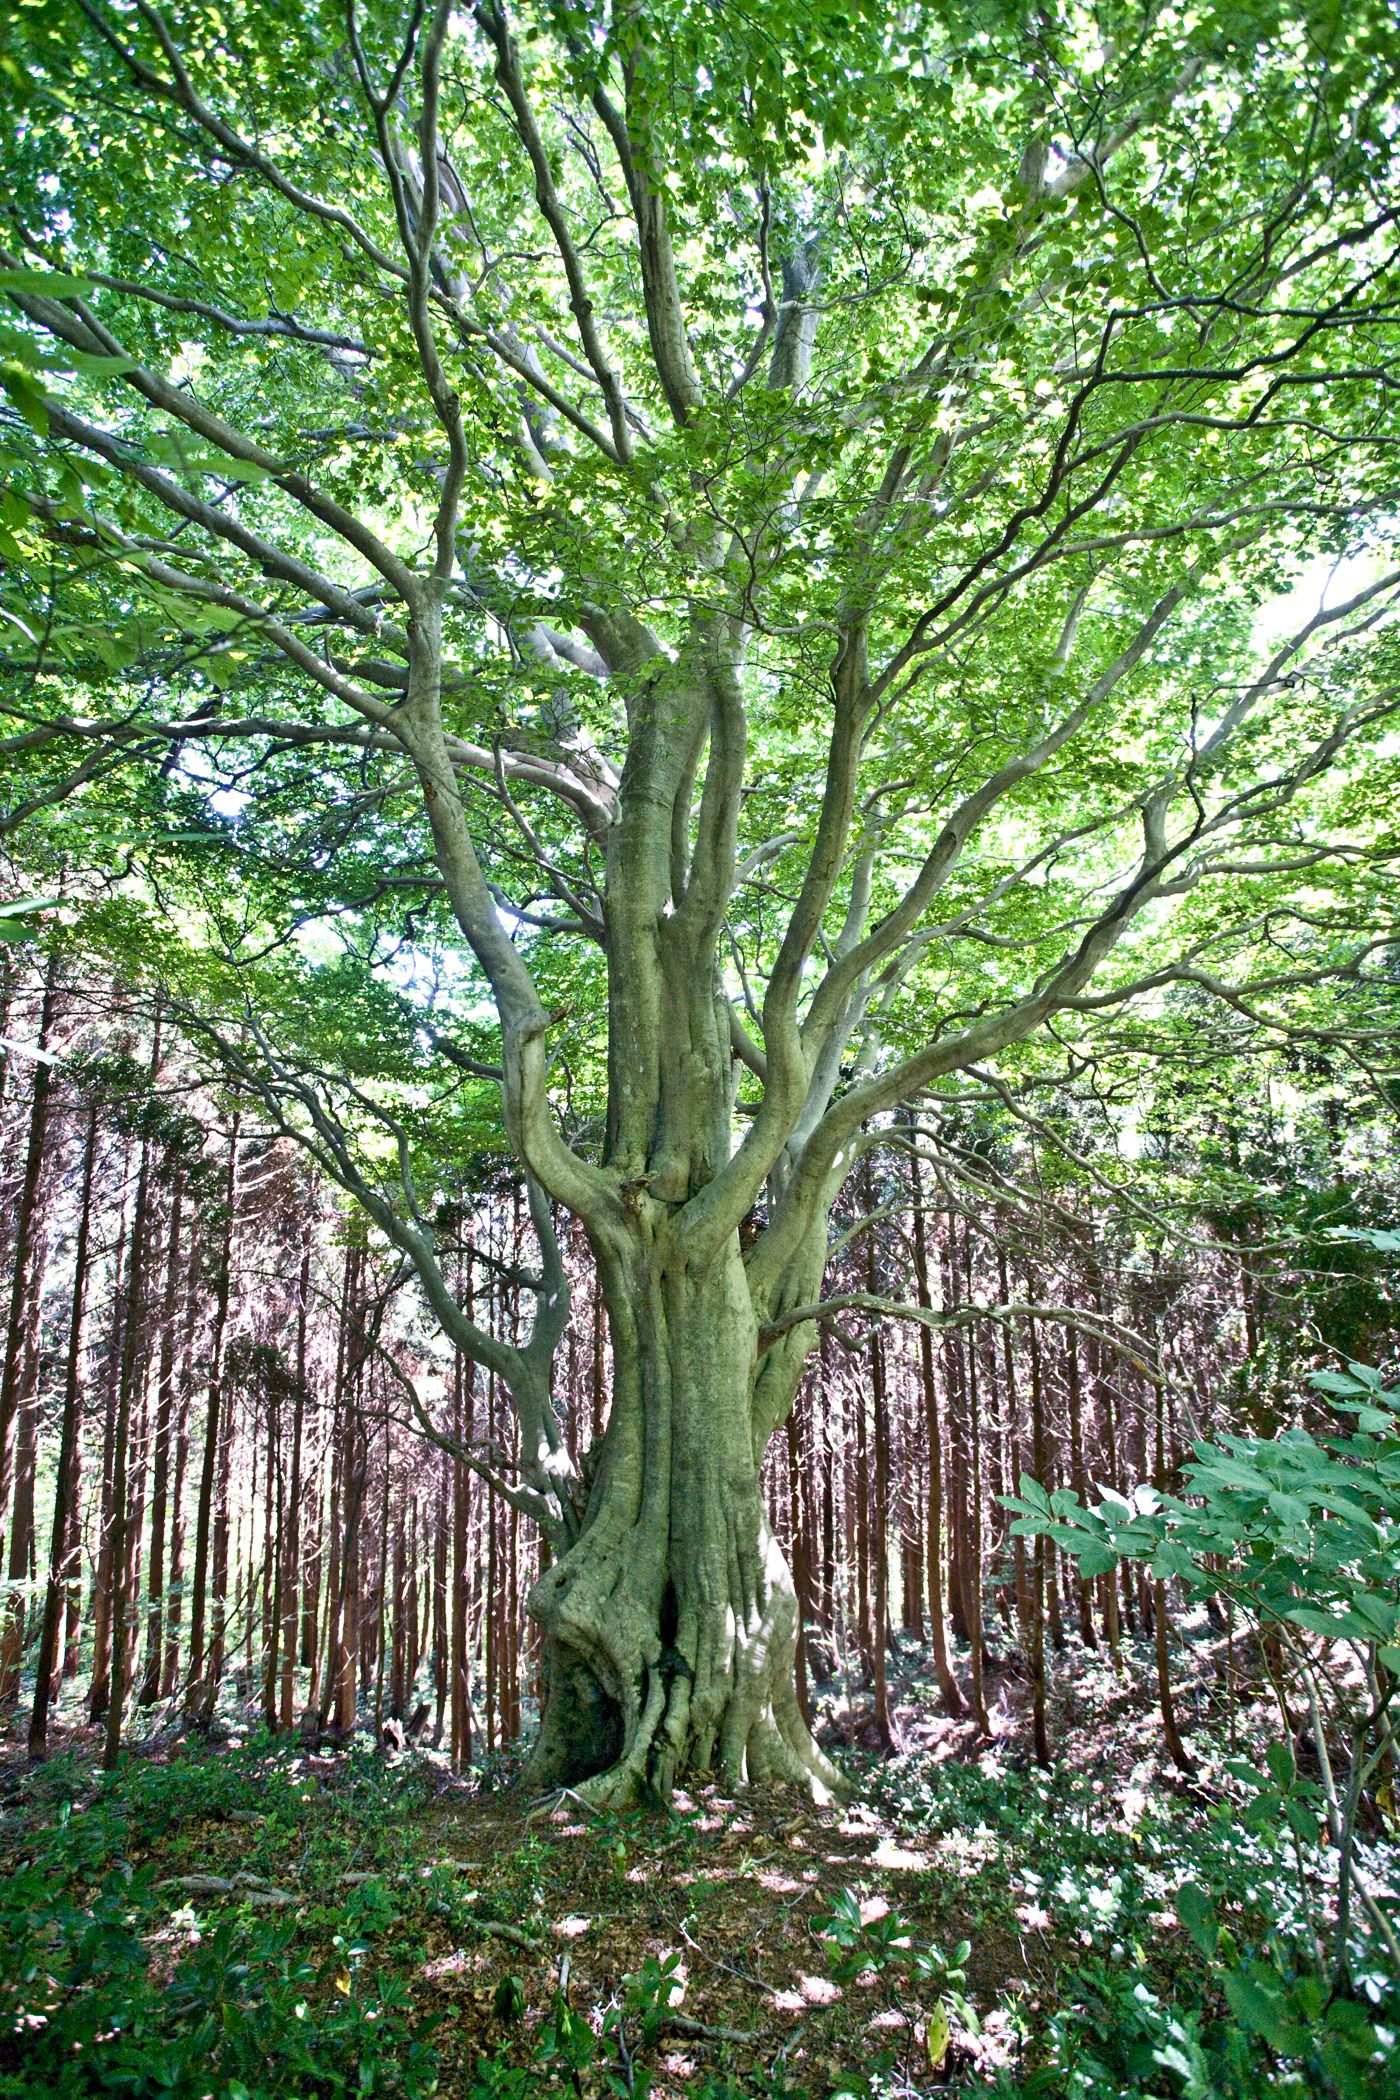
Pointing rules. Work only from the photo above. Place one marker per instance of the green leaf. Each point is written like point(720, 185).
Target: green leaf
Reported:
point(1096, 1558)
point(16, 920)
point(48, 284)
point(27, 398)
point(94, 366)
point(1197, 1914)
point(1301, 1821)
point(1282, 1764)
point(176, 449)
point(1290, 1509)
point(508, 2001)
point(1262, 2013)
point(1372, 1421)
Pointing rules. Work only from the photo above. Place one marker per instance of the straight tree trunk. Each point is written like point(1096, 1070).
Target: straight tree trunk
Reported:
point(933, 1431)
point(160, 1469)
point(955, 1385)
point(400, 1635)
point(464, 1429)
point(491, 1613)
point(20, 1566)
point(72, 1637)
point(1171, 1732)
point(385, 1598)
point(828, 1511)
point(311, 1562)
point(879, 1539)
point(877, 1530)
point(274, 1523)
point(345, 1682)
point(64, 1532)
point(441, 1637)
point(222, 1526)
point(327, 1623)
point(974, 1559)
point(23, 1247)
point(100, 1689)
point(174, 1620)
point(344, 1640)
point(213, 1436)
point(800, 1560)
point(291, 1532)
point(1079, 1478)
point(124, 1522)
point(1108, 1584)
point(1040, 1729)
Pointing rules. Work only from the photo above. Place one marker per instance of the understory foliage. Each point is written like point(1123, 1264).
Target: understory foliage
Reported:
point(261, 1921)
point(1301, 1535)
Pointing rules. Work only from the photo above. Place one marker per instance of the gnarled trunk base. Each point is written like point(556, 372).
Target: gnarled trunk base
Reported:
point(632, 1705)
point(671, 1624)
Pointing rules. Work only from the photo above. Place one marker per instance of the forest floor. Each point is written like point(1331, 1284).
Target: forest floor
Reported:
point(306, 1913)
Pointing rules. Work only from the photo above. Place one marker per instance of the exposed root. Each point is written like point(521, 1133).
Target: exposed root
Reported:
point(555, 1799)
point(726, 1709)
point(702, 2031)
point(248, 1888)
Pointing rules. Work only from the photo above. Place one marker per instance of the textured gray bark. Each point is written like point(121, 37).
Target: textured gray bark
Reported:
point(671, 1621)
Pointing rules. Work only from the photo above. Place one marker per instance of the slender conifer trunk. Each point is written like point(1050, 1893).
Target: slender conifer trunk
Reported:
point(214, 1436)
point(161, 1455)
point(64, 1528)
point(125, 1520)
point(22, 1248)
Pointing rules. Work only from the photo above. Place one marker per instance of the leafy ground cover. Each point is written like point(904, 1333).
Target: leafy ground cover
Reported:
point(259, 1921)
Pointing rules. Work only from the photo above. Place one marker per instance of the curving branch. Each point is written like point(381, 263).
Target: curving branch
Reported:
point(1140, 1353)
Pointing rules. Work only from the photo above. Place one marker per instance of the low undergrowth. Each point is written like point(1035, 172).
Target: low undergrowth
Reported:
point(260, 1922)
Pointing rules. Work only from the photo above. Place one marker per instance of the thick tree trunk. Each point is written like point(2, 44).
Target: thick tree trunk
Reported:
point(670, 1624)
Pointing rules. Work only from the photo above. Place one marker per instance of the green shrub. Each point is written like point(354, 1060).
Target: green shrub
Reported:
point(109, 1996)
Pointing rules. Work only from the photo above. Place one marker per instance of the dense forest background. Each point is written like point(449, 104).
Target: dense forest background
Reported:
point(221, 1392)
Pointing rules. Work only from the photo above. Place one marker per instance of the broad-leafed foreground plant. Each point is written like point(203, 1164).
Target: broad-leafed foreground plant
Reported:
point(1300, 1535)
point(750, 524)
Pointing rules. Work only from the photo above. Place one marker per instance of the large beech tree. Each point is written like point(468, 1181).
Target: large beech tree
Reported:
point(776, 501)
